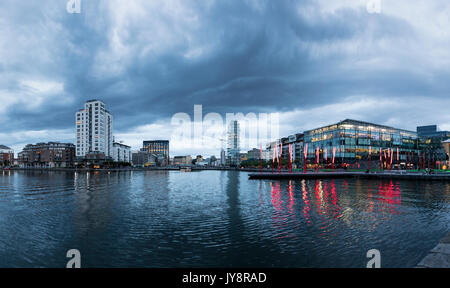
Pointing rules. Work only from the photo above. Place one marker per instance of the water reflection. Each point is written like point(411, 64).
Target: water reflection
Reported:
point(215, 219)
point(307, 206)
point(389, 197)
point(327, 203)
point(291, 202)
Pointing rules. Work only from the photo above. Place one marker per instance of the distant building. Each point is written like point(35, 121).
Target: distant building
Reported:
point(94, 129)
point(160, 148)
point(254, 154)
point(296, 143)
point(432, 131)
point(199, 158)
point(233, 149)
point(6, 156)
point(273, 147)
point(243, 157)
point(182, 160)
point(430, 141)
point(223, 158)
point(47, 155)
point(202, 163)
point(213, 161)
point(257, 154)
point(121, 152)
point(141, 158)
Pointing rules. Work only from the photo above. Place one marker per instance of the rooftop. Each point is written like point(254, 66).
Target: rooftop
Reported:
point(121, 144)
point(5, 147)
point(150, 141)
point(361, 123)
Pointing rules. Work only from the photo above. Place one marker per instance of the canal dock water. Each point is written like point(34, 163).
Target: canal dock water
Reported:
point(332, 175)
point(439, 256)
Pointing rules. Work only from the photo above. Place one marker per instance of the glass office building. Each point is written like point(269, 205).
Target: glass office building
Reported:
point(157, 147)
point(351, 140)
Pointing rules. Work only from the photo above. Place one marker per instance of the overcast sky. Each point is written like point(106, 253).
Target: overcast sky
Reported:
point(314, 62)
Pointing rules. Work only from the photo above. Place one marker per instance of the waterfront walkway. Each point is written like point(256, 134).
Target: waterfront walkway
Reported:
point(439, 256)
point(373, 175)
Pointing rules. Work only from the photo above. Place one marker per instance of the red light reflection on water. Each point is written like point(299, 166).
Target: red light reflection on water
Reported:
point(334, 208)
point(323, 207)
point(277, 201)
point(291, 202)
point(319, 195)
point(389, 197)
point(279, 216)
point(307, 206)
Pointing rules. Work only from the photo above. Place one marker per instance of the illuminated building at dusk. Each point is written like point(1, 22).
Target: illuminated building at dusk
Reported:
point(350, 141)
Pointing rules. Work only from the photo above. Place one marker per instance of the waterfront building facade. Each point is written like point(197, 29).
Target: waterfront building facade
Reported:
point(295, 142)
point(430, 142)
point(182, 160)
point(47, 155)
point(233, 149)
point(94, 129)
point(254, 154)
point(160, 148)
point(213, 161)
point(6, 156)
point(141, 158)
point(223, 157)
point(431, 131)
point(273, 148)
point(350, 141)
point(122, 152)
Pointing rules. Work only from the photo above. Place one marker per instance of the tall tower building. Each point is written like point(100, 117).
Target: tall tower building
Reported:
point(233, 149)
point(94, 129)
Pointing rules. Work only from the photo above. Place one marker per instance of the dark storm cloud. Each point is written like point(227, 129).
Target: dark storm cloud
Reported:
point(247, 56)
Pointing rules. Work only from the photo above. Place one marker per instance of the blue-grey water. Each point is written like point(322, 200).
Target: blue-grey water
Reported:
point(215, 219)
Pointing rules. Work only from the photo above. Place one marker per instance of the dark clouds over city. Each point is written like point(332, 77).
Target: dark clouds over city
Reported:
point(315, 62)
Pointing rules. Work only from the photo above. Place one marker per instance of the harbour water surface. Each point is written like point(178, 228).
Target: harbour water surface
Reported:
point(215, 219)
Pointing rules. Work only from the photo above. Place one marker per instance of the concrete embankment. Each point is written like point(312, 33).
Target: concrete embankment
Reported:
point(333, 175)
point(439, 256)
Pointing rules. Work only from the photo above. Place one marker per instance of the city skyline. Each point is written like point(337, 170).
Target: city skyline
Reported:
point(302, 59)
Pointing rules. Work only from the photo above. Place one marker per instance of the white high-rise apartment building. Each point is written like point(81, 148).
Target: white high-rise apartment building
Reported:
point(94, 129)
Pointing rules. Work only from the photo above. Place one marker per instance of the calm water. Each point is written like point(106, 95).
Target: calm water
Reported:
point(215, 219)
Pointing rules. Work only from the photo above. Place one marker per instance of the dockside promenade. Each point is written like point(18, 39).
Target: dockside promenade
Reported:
point(439, 256)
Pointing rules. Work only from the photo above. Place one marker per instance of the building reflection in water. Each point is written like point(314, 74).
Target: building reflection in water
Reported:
point(389, 197)
point(277, 201)
point(334, 201)
point(307, 205)
point(291, 202)
point(278, 217)
point(319, 196)
point(93, 202)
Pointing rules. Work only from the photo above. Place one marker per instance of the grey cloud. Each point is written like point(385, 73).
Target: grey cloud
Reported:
point(258, 58)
